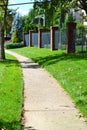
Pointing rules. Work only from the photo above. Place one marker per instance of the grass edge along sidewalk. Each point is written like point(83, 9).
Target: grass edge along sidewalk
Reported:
point(11, 89)
point(70, 70)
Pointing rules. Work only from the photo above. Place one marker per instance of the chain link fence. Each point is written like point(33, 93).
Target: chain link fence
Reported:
point(46, 39)
point(81, 40)
point(60, 39)
point(34, 39)
point(26, 38)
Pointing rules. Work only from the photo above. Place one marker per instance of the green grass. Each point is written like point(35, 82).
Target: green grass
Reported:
point(70, 70)
point(80, 48)
point(11, 88)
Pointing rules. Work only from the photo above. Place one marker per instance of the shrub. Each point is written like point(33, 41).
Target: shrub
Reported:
point(80, 25)
point(11, 45)
point(15, 37)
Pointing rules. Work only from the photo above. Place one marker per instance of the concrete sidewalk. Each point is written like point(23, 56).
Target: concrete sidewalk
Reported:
point(46, 104)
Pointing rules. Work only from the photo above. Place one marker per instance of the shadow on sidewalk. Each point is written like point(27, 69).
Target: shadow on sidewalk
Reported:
point(29, 64)
point(29, 128)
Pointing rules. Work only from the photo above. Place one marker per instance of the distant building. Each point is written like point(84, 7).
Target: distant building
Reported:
point(40, 19)
point(78, 15)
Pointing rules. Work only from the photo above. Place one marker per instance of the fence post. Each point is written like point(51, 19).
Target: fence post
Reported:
point(70, 45)
point(30, 37)
point(24, 39)
point(40, 30)
point(52, 37)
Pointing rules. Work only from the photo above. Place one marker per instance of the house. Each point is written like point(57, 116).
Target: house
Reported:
point(78, 14)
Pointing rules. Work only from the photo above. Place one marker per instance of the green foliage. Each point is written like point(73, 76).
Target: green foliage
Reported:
point(11, 45)
point(16, 37)
point(46, 28)
point(28, 21)
point(70, 18)
point(17, 25)
point(28, 27)
point(54, 10)
point(64, 25)
point(1, 17)
point(11, 88)
point(80, 25)
point(9, 19)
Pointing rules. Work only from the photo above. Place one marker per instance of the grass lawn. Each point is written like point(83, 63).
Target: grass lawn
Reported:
point(70, 70)
point(11, 88)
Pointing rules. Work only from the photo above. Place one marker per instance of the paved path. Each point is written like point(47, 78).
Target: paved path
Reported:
point(46, 104)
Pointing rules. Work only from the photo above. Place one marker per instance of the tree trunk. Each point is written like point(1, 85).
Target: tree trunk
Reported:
point(2, 52)
point(62, 18)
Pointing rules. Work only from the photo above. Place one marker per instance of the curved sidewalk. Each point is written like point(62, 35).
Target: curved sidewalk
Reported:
point(46, 104)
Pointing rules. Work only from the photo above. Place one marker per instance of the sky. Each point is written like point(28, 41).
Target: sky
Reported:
point(23, 9)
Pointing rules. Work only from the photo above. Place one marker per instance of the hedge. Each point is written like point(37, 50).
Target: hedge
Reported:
point(13, 45)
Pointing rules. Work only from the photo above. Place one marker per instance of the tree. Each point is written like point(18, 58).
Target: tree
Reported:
point(53, 9)
point(3, 14)
point(59, 8)
point(28, 21)
point(17, 25)
point(72, 3)
point(9, 19)
point(44, 7)
point(15, 38)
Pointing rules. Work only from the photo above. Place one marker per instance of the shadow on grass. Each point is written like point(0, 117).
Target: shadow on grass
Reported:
point(10, 62)
point(52, 59)
point(26, 64)
point(10, 125)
